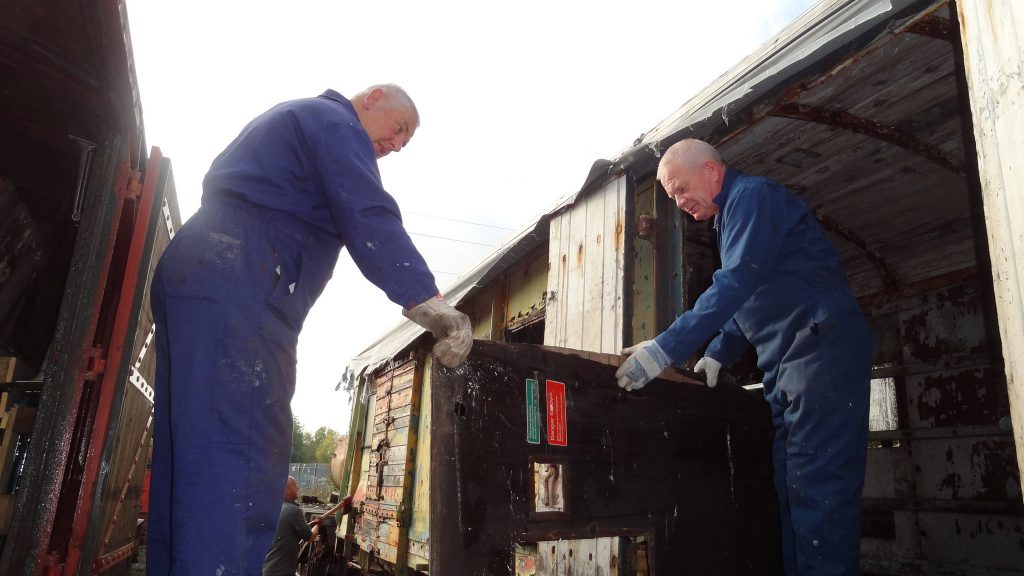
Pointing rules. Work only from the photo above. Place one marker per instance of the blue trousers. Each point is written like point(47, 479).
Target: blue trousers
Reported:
point(229, 297)
point(819, 397)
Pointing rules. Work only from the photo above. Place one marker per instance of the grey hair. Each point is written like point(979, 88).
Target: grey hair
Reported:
point(396, 97)
point(690, 153)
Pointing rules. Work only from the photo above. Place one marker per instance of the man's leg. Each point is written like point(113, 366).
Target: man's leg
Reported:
point(223, 431)
point(825, 378)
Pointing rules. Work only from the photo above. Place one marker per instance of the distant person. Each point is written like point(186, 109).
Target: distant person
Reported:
point(781, 289)
point(230, 295)
point(292, 529)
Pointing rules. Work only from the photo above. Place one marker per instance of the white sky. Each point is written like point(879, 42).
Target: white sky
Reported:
point(517, 100)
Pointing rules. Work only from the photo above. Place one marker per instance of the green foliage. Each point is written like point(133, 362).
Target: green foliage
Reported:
point(324, 440)
point(315, 447)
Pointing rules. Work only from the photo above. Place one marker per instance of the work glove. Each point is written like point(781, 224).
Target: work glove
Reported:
point(645, 362)
point(451, 328)
point(709, 367)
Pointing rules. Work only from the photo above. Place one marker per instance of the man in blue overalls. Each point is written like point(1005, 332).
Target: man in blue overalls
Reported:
point(781, 289)
point(229, 298)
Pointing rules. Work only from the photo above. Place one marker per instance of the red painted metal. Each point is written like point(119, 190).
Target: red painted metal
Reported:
point(52, 561)
point(118, 340)
point(123, 553)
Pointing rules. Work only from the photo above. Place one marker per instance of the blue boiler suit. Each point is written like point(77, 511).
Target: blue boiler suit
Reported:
point(781, 288)
point(229, 297)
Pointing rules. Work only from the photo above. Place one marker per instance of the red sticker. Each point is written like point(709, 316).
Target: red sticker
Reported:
point(557, 434)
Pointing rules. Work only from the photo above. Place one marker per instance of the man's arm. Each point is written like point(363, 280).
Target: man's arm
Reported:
point(298, 524)
point(751, 240)
point(368, 217)
point(729, 345)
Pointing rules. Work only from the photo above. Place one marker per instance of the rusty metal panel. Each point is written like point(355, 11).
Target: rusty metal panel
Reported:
point(710, 509)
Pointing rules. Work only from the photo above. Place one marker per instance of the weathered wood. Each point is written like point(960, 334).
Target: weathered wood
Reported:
point(992, 35)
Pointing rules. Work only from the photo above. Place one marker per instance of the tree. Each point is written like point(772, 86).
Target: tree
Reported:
point(324, 440)
point(301, 443)
point(315, 447)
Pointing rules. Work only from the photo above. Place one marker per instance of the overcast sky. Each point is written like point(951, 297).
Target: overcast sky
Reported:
point(517, 100)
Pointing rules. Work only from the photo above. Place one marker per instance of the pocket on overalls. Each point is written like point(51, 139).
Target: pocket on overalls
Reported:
point(290, 299)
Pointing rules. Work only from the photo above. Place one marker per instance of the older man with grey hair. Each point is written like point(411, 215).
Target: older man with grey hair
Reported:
point(230, 295)
point(781, 289)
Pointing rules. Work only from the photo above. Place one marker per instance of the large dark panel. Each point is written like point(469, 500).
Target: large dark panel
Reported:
point(686, 466)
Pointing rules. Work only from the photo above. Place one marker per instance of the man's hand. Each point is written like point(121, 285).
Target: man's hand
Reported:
point(316, 530)
point(451, 328)
point(646, 361)
point(709, 367)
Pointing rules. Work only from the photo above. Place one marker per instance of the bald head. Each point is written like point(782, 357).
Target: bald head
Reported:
point(388, 115)
point(291, 489)
point(394, 96)
point(688, 154)
point(692, 172)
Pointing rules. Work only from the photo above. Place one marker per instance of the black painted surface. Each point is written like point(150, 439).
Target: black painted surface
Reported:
point(688, 466)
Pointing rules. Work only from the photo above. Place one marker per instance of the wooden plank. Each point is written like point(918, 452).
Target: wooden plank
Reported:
point(19, 422)
point(992, 61)
point(591, 333)
point(387, 552)
point(419, 525)
point(612, 281)
point(644, 323)
point(554, 311)
point(576, 276)
point(603, 558)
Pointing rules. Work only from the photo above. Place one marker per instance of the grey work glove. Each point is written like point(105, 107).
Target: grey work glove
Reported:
point(645, 362)
point(451, 328)
point(709, 367)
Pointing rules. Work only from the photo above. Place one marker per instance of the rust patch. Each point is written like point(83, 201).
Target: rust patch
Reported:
point(579, 255)
point(933, 27)
point(964, 398)
point(995, 465)
point(618, 233)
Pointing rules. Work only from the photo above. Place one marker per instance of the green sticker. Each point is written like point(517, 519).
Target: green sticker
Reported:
point(532, 411)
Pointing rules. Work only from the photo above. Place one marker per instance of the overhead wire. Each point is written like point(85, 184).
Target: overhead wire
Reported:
point(460, 221)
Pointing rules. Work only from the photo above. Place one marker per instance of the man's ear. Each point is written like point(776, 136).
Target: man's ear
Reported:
point(374, 98)
point(714, 169)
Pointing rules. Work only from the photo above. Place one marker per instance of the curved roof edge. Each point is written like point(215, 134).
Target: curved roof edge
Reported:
point(826, 28)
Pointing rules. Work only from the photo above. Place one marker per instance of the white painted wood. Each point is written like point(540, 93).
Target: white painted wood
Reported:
point(603, 556)
point(585, 256)
point(612, 249)
point(577, 274)
point(561, 558)
point(993, 43)
point(586, 557)
point(593, 273)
